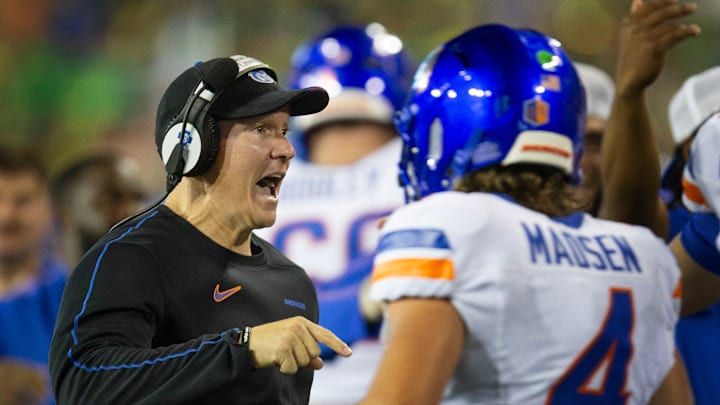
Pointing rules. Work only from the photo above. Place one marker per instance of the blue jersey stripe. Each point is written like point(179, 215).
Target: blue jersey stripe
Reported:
point(413, 238)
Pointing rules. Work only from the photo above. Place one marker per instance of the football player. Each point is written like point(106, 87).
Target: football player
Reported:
point(498, 288)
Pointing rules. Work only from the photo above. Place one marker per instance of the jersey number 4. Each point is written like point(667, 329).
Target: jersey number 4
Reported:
point(599, 374)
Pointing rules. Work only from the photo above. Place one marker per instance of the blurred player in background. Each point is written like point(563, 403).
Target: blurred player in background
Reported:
point(698, 331)
point(31, 279)
point(697, 243)
point(599, 93)
point(698, 247)
point(631, 165)
point(502, 291)
point(692, 104)
point(344, 180)
point(91, 195)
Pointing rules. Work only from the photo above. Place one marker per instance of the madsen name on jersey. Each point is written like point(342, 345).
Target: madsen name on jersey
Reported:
point(598, 252)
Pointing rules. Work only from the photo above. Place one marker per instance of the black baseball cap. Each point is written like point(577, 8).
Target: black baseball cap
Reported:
point(249, 91)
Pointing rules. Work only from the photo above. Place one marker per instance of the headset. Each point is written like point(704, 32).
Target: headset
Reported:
point(190, 143)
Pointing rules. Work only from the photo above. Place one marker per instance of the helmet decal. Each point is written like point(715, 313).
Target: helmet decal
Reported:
point(536, 112)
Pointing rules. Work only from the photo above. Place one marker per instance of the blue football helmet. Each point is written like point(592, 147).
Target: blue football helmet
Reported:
point(365, 70)
point(492, 96)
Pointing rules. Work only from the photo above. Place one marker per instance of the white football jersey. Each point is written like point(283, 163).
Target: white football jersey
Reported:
point(701, 177)
point(327, 217)
point(557, 310)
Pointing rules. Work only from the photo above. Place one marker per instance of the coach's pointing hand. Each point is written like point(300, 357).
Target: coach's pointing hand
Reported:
point(292, 343)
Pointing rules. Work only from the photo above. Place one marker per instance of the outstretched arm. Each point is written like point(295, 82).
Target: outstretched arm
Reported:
point(424, 345)
point(631, 164)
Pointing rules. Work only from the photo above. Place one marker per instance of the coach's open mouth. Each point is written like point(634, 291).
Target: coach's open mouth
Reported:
point(271, 183)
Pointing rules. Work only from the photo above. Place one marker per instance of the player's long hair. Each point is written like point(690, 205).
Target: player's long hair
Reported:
point(538, 188)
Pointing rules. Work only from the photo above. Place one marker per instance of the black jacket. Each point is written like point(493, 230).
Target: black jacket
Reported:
point(151, 314)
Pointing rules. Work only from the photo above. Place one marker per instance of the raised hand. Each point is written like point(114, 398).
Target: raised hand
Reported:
point(651, 28)
point(291, 344)
point(630, 159)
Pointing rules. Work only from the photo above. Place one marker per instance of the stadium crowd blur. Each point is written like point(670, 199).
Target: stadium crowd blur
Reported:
point(79, 72)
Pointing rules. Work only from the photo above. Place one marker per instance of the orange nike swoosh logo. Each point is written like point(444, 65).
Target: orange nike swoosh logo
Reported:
point(220, 296)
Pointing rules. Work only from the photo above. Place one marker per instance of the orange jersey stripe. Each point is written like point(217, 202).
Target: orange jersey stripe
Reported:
point(678, 290)
point(427, 268)
point(692, 192)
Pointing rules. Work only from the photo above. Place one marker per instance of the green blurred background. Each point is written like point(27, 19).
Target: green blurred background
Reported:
point(78, 74)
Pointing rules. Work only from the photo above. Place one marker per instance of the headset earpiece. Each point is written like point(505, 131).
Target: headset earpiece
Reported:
point(192, 153)
point(190, 144)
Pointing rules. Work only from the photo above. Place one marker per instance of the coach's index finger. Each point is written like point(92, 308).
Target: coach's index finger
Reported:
point(325, 336)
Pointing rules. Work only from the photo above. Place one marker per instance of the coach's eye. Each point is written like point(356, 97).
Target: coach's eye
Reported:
point(260, 129)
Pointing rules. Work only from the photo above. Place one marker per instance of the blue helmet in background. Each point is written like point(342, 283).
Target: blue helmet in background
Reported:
point(491, 96)
point(364, 69)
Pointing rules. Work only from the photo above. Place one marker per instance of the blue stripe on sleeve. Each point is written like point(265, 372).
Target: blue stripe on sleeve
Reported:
point(95, 270)
point(148, 362)
point(413, 238)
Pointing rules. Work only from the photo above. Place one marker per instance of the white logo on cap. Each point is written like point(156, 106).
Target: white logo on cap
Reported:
point(261, 76)
point(246, 64)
